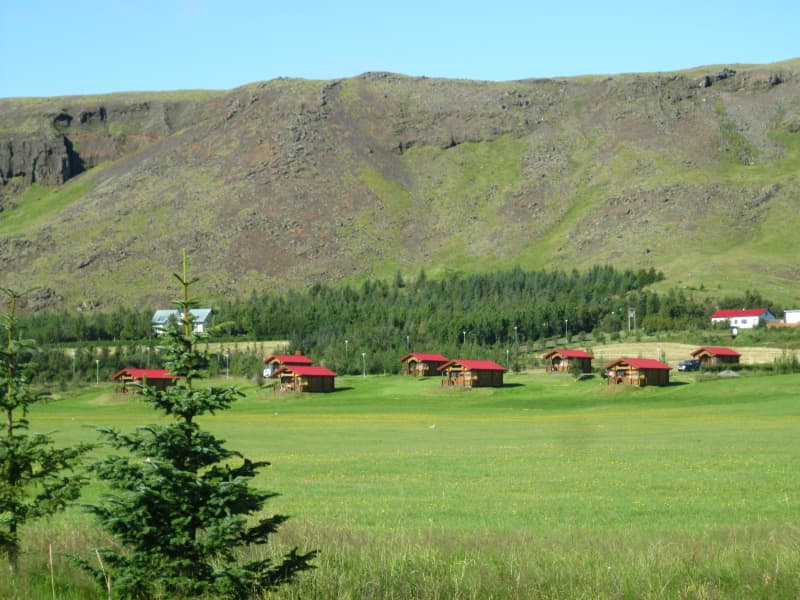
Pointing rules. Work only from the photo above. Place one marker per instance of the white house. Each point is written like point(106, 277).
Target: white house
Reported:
point(792, 317)
point(202, 319)
point(743, 318)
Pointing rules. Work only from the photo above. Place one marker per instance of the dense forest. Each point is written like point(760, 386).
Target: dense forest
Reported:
point(371, 326)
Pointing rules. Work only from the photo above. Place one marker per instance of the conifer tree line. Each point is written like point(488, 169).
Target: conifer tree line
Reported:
point(456, 314)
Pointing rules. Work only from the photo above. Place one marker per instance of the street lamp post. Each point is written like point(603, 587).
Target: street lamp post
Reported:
point(508, 362)
point(566, 329)
point(465, 336)
point(345, 356)
point(516, 338)
point(227, 364)
point(97, 371)
point(364, 363)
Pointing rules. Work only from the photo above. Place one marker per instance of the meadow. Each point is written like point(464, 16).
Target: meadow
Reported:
point(546, 488)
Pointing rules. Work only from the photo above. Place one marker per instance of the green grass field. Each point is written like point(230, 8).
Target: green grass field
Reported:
point(545, 488)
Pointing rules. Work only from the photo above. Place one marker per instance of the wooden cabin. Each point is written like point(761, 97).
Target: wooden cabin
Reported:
point(472, 373)
point(638, 371)
point(273, 363)
point(304, 378)
point(159, 379)
point(422, 364)
point(711, 355)
point(561, 360)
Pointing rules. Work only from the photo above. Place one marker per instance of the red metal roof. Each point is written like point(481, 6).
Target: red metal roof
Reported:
point(289, 359)
point(568, 353)
point(305, 370)
point(149, 373)
point(716, 351)
point(640, 363)
point(730, 313)
point(423, 357)
point(474, 365)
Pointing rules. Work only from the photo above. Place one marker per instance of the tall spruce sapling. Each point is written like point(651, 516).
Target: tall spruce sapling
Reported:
point(178, 506)
point(36, 478)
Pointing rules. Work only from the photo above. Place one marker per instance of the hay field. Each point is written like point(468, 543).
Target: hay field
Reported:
point(673, 353)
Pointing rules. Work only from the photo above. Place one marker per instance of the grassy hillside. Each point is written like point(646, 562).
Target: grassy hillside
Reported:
point(284, 183)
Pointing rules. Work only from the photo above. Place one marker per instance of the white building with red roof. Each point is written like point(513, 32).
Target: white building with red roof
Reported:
point(743, 318)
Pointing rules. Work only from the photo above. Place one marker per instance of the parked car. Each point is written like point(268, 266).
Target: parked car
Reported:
point(691, 364)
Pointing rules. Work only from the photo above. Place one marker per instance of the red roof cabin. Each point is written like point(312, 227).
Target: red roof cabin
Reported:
point(422, 364)
point(710, 355)
point(159, 379)
point(472, 373)
point(561, 360)
point(276, 361)
point(638, 371)
point(304, 378)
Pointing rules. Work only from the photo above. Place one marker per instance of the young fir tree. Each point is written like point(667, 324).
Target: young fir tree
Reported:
point(36, 478)
point(179, 506)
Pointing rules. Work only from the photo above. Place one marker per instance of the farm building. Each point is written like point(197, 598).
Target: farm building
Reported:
point(201, 319)
point(160, 379)
point(744, 318)
point(638, 371)
point(276, 361)
point(422, 364)
point(561, 360)
point(472, 373)
point(710, 355)
point(791, 317)
point(304, 378)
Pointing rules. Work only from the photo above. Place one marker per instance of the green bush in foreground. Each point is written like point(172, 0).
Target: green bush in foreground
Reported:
point(179, 507)
point(33, 479)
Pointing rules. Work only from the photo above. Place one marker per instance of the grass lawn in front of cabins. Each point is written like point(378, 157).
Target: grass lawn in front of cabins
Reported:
point(546, 487)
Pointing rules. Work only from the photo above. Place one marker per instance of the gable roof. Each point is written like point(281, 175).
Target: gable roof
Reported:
point(716, 351)
point(640, 363)
point(474, 365)
point(306, 370)
point(200, 315)
point(289, 359)
point(729, 313)
point(149, 373)
point(425, 357)
point(568, 353)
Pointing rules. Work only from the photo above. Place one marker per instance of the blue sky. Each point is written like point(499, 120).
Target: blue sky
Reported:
point(53, 48)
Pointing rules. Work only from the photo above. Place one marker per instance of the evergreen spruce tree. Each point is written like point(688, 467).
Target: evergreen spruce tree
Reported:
point(179, 506)
point(36, 478)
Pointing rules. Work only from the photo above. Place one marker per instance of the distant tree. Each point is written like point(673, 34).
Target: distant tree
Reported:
point(36, 478)
point(179, 506)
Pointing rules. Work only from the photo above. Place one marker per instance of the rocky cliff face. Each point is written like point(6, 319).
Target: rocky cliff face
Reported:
point(51, 141)
point(48, 160)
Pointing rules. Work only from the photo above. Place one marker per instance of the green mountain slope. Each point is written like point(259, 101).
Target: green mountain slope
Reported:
point(290, 182)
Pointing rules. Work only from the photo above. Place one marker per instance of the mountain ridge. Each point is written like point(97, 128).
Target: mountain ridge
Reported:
point(291, 182)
